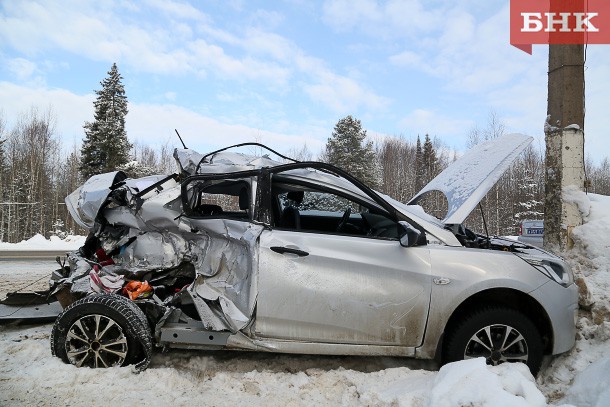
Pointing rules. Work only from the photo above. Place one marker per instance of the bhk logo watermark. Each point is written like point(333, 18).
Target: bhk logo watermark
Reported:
point(559, 22)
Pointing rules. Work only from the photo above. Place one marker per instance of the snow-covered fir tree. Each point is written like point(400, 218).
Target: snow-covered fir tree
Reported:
point(420, 178)
point(429, 160)
point(348, 149)
point(106, 146)
point(530, 205)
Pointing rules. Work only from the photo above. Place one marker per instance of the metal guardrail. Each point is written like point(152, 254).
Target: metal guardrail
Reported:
point(18, 255)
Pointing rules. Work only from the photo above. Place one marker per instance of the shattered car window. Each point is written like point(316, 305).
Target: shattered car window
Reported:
point(220, 198)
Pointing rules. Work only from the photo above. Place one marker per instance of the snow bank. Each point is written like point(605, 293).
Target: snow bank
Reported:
point(38, 242)
point(582, 376)
point(30, 376)
point(592, 386)
point(461, 384)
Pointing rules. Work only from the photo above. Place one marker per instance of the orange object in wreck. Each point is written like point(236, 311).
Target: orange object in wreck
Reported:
point(137, 289)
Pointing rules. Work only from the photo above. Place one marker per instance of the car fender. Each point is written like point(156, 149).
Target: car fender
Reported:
point(460, 273)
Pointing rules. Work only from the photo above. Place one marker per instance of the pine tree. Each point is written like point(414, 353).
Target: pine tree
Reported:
point(430, 160)
point(348, 150)
point(106, 146)
point(419, 166)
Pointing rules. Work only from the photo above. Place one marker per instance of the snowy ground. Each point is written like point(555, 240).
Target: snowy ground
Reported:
point(29, 375)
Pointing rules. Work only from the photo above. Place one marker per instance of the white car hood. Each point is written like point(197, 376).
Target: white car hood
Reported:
point(466, 181)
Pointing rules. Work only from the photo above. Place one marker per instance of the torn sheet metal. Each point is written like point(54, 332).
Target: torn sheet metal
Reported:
point(86, 201)
point(139, 233)
point(225, 289)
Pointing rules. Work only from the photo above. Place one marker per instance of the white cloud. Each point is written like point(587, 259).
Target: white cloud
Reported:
point(146, 123)
point(391, 19)
point(469, 56)
point(70, 110)
point(23, 69)
point(101, 32)
point(343, 95)
point(422, 121)
point(266, 19)
point(216, 59)
point(407, 58)
point(184, 41)
point(264, 43)
point(178, 10)
point(155, 124)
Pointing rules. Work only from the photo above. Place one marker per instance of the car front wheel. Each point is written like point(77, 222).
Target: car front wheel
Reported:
point(102, 330)
point(498, 334)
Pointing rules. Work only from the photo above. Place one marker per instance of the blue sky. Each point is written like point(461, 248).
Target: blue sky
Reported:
point(284, 72)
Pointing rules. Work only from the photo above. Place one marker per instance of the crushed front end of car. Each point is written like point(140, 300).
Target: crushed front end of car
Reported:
point(175, 268)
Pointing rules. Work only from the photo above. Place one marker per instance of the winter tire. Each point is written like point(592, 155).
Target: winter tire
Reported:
point(498, 334)
point(102, 330)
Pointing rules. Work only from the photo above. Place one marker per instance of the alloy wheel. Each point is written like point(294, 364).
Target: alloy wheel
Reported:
point(96, 341)
point(497, 344)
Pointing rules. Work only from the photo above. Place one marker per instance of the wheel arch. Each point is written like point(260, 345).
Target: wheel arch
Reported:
point(506, 297)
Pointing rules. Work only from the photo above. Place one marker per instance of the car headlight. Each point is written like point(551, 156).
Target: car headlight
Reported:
point(559, 272)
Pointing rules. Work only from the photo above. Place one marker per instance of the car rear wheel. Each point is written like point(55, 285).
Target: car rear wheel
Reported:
point(498, 334)
point(102, 330)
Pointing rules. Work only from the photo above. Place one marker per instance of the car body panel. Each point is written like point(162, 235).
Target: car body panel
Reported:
point(562, 306)
point(339, 292)
point(467, 272)
point(466, 181)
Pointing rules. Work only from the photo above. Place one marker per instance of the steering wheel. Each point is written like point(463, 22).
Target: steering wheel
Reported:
point(344, 219)
point(366, 226)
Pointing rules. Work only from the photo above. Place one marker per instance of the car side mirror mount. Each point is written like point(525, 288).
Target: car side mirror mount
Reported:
point(411, 235)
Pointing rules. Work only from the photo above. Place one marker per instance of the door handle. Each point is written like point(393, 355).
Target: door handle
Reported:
point(282, 250)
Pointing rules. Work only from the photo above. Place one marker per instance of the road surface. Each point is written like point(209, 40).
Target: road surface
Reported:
point(25, 274)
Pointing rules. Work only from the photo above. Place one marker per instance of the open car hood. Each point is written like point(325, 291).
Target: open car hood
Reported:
point(466, 181)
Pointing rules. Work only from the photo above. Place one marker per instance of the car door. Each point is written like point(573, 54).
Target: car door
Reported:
point(345, 286)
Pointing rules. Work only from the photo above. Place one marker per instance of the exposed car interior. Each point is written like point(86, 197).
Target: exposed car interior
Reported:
point(305, 208)
point(221, 198)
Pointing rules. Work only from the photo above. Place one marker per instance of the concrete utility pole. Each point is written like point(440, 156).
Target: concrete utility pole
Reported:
point(564, 135)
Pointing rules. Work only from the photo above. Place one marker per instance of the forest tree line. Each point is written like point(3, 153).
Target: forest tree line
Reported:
point(36, 174)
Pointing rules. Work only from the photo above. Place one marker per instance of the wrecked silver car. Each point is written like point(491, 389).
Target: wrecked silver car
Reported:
point(243, 252)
